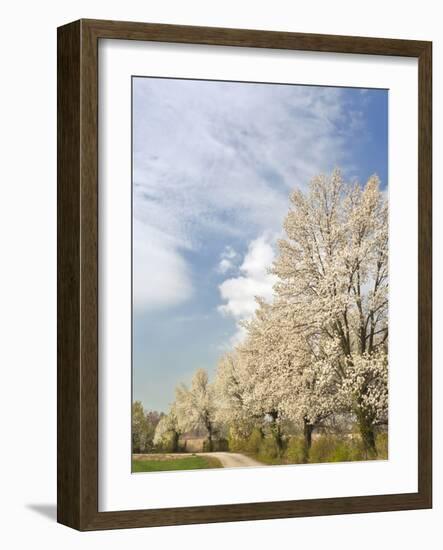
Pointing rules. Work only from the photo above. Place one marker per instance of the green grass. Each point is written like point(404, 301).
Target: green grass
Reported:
point(192, 462)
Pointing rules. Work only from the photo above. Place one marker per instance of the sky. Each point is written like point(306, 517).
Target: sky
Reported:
point(213, 165)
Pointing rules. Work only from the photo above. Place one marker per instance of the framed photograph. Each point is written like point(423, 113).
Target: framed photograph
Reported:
point(244, 274)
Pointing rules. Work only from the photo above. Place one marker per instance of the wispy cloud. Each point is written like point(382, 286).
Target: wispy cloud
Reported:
point(216, 160)
point(161, 275)
point(228, 260)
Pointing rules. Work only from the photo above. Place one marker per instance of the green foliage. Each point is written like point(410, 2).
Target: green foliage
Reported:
point(381, 443)
point(269, 451)
point(249, 445)
point(295, 451)
point(325, 448)
point(192, 462)
point(264, 448)
point(328, 448)
point(236, 444)
point(169, 443)
point(143, 428)
point(165, 445)
point(254, 442)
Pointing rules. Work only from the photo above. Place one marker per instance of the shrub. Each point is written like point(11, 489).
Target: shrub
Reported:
point(254, 442)
point(268, 451)
point(236, 444)
point(381, 443)
point(167, 444)
point(328, 448)
point(164, 445)
point(295, 451)
point(250, 444)
point(321, 449)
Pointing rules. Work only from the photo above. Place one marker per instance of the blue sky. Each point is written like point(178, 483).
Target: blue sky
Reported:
point(213, 165)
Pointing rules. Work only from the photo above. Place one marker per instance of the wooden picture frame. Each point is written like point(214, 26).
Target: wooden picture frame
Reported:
point(77, 455)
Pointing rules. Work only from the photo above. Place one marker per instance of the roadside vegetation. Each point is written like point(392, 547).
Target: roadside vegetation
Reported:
point(330, 447)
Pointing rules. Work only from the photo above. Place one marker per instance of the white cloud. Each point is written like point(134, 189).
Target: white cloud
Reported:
point(225, 265)
point(227, 260)
point(160, 275)
point(239, 293)
point(229, 253)
point(216, 161)
point(222, 151)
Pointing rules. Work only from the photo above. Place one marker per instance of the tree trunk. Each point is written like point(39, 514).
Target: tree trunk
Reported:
point(367, 434)
point(276, 432)
point(210, 444)
point(278, 439)
point(307, 435)
point(175, 440)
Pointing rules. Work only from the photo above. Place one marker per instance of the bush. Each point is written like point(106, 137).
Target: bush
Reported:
point(295, 451)
point(263, 447)
point(381, 443)
point(269, 451)
point(250, 445)
point(328, 448)
point(254, 442)
point(164, 445)
point(167, 445)
point(236, 444)
point(325, 448)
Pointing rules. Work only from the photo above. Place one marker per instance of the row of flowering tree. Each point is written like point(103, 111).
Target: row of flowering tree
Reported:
point(319, 349)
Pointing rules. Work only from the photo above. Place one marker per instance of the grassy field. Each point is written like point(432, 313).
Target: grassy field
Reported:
point(157, 464)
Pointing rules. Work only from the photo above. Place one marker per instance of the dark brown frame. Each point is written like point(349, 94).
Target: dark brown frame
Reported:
point(77, 453)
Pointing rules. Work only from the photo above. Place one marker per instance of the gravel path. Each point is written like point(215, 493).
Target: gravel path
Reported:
point(234, 460)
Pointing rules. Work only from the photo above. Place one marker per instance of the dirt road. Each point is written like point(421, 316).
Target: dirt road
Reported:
point(233, 460)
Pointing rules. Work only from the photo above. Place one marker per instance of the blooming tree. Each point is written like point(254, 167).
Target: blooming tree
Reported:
point(230, 386)
point(284, 381)
point(169, 428)
point(333, 280)
point(197, 405)
point(266, 356)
